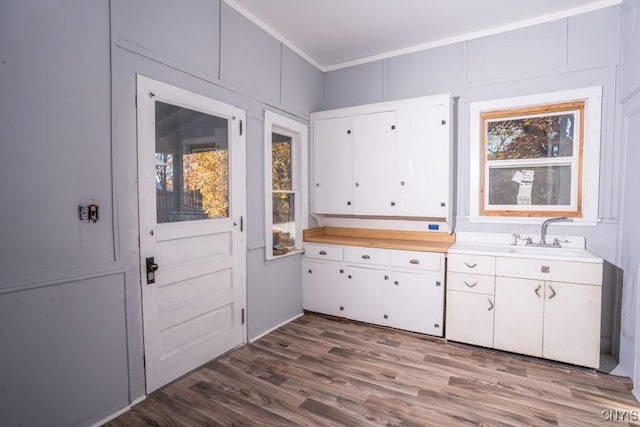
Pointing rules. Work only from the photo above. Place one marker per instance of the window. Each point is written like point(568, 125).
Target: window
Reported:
point(536, 157)
point(286, 143)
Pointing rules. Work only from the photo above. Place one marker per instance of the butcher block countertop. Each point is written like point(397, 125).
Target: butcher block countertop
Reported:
point(423, 241)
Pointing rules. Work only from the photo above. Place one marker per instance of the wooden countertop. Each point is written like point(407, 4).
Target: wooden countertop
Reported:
point(423, 241)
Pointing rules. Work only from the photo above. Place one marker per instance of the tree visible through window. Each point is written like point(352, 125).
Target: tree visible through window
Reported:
point(283, 194)
point(532, 162)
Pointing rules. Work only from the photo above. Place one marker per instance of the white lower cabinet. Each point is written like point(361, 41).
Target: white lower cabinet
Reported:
point(364, 289)
point(531, 313)
point(400, 289)
point(324, 287)
point(415, 302)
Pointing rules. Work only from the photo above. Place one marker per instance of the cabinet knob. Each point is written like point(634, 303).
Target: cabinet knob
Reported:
point(393, 203)
point(436, 325)
point(357, 184)
point(349, 203)
point(349, 276)
point(341, 271)
point(317, 184)
point(438, 283)
point(341, 308)
point(386, 277)
point(385, 316)
point(393, 127)
point(545, 269)
point(443, 204)
point(310, 271)
point(395, 282)
point(349, 131)
point(402, 183)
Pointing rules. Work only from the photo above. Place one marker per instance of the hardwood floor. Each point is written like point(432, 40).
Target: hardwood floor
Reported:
point(318, 370)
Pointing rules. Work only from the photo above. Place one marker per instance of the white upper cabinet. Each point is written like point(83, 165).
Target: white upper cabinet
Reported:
point(374, 171)
point(423, 161)
point(333, 166)
point(390, 159)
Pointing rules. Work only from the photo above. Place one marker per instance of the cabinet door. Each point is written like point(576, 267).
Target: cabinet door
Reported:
point(572, 323)
point(333, 166)
point(423, 161)
point(323, 287)
point(415, 302)
point(364, 288)
point(374, 165)
point(518, 317)
point(470, 318)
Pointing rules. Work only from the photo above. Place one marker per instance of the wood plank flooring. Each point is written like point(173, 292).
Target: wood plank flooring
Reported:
point(323, 371)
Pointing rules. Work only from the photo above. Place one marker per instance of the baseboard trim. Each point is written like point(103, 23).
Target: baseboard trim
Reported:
point(275, 327)
point(118, 413)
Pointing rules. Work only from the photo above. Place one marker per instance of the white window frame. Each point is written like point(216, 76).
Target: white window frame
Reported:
point(299, 133)
point(592, 97)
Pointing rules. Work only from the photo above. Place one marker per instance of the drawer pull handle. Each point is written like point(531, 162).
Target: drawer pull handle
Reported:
point(544, 269)
point(414, 261)
point(366, 257)
point(470, 265)
point(553, 292)
point(537, 291)
point(322, 252)
point(471, 285)
point(490, 305)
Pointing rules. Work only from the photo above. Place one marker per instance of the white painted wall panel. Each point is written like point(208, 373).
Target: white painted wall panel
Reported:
point(301, 84)
point(64, 353)
point(55, 133)
point(630, 47)
point(183, 34)
point(360, 84)
point(250, 59)
point(428, 72)
point(517, 54)
point(594, 38)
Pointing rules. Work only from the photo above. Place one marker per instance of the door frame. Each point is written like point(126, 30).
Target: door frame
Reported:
point(238, 212)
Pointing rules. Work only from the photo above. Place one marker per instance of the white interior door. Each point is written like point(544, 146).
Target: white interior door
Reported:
point(191, 185)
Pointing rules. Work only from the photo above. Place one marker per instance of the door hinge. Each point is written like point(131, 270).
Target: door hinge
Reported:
point(241, 223)
point(240, 127)
point(242, 316)
point(135, 101)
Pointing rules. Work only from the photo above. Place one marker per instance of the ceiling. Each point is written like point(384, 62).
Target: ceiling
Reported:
point(333, 34)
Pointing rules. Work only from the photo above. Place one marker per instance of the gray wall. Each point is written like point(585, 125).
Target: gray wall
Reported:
point(558, 55)
point(630, 229)
point(69, 291)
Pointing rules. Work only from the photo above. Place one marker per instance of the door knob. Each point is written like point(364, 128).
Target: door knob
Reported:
point(152, 267)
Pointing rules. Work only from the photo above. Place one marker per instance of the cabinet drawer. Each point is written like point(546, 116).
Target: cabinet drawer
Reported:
point(332, 253)
point(587, 273)
point(477, 264)
point(366, 256)
point(476, 283)
point(420, 260)
point(558, 271)
point(526, 268)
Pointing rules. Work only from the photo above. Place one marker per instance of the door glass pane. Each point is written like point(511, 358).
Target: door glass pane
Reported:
point(284, 224)
point(192, 165)
point(535, 185)
point(281, 161)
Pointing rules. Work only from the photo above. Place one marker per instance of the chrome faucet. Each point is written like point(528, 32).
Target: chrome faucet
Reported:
point(543, 230)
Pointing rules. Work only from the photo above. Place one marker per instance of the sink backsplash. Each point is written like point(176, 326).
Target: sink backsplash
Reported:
point(507, 239)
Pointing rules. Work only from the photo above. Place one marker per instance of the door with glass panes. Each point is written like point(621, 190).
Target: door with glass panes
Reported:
point(191, 182)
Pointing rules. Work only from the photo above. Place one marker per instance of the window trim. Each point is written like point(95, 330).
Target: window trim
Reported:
point(299, 133)
point(575, 161)
point(589, 178)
